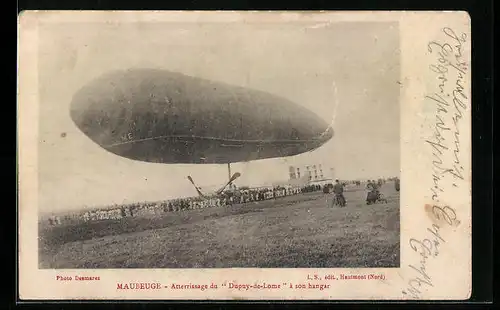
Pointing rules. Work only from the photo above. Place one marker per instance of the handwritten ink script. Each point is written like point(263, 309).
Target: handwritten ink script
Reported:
point(450, 100)
point(448, 94)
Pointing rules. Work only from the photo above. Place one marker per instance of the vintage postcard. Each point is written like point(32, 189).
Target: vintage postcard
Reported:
point(244, 155)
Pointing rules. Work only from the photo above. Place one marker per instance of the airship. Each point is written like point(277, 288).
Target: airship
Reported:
point(167, 117)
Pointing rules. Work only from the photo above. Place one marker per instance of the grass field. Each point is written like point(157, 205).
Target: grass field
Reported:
point(295, 231)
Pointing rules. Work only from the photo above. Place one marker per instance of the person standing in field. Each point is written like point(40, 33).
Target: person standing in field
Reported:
point(369, 185)
point(338, 191)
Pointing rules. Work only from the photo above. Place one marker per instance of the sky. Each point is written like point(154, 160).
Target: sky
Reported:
point(347, 73)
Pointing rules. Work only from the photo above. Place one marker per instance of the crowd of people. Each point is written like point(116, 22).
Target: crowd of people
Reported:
point(225, 199)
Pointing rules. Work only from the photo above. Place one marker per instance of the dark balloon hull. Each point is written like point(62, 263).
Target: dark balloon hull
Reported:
point(165, 117)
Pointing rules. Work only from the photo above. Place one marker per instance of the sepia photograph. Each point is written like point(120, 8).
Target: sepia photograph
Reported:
point(209, 145)
point(244, 155)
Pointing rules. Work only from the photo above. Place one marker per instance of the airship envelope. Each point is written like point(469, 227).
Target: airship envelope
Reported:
point(167, 117)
